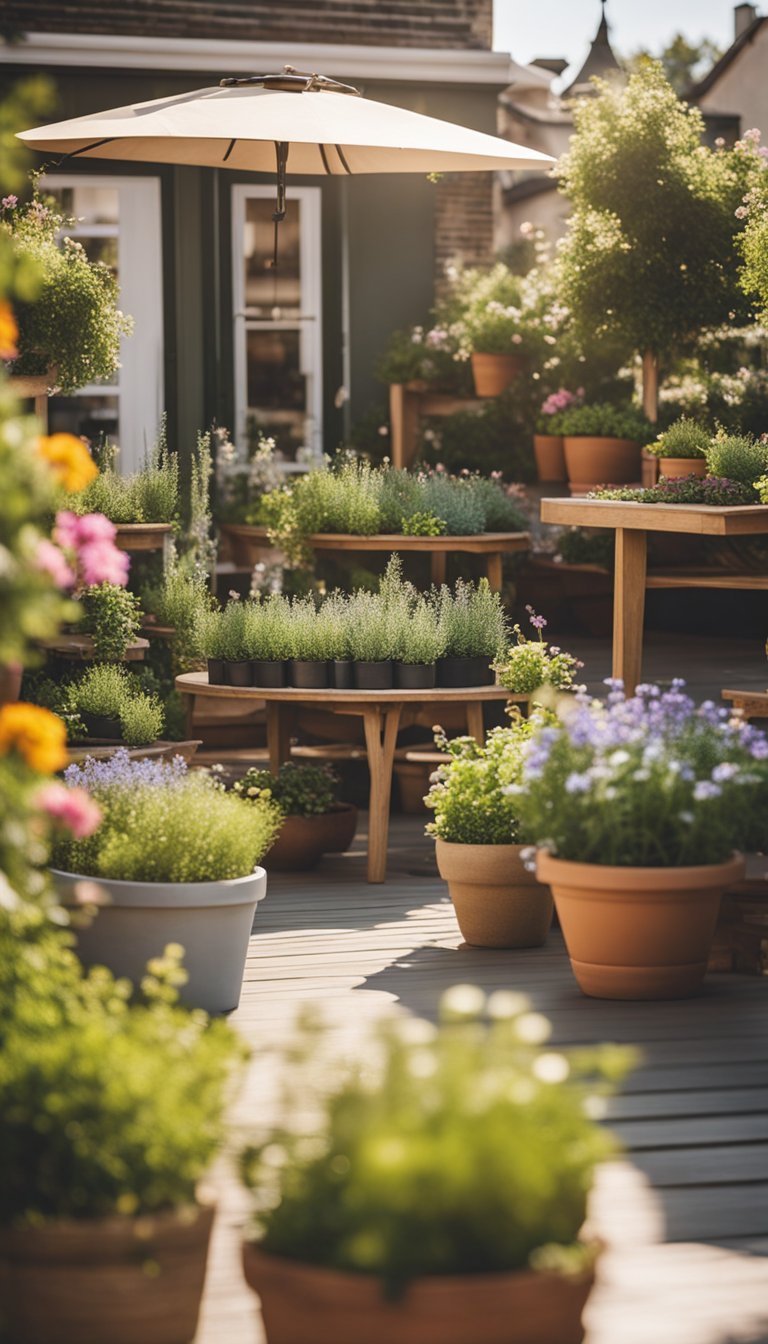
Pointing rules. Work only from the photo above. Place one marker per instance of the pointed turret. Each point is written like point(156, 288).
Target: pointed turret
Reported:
point(600, 61)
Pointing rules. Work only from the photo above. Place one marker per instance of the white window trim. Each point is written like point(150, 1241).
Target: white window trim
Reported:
point(141, 391)
point(309, 323)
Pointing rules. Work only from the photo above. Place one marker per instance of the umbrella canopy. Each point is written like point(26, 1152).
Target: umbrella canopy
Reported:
point(320, 127)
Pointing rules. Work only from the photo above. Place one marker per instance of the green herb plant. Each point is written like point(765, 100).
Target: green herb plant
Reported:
point(602, 420)
point(421, 640)
point(111, 615)
point(472, 620)
point(685, 438)
point(468, 795)
point(150, 495)
point(109, 690)
point(298, 790)
point(529, 665)
point(737, 457)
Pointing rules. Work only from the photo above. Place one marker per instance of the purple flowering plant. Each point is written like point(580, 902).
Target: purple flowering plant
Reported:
point(649, 780)
point(531, 664)
point(717, 491)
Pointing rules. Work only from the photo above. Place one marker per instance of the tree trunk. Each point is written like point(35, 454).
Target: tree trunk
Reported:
point(651, 386)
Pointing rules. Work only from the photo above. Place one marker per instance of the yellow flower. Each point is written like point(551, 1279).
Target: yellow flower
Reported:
point(36, 734)
point(9, 331)
point(69, 460)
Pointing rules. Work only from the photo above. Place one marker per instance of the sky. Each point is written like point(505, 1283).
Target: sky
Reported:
point(528, 28)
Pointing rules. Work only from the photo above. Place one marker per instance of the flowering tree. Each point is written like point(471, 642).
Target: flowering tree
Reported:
point(651, 253)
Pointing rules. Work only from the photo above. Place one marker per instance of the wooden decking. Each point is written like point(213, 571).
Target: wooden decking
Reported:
point(684, 1215)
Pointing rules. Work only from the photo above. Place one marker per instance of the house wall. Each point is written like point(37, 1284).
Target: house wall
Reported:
point(742, 89)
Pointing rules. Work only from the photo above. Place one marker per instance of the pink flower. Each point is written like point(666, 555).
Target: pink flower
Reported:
point(67, 530)
point(72, 808)
point(8, 202)
point(95, 527)
point(91, 540)
point(52, 562)
point(102, 562)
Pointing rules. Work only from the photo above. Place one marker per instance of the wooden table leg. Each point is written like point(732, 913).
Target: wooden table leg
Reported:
point(278, 734)
point(437, 566)
point(404, 425)
point(629, 606)
point(493, 571)
point(475, 724)
point(381, 727)
point(189, 715)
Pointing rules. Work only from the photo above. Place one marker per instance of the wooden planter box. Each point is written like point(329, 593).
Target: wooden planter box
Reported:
point(143, 536)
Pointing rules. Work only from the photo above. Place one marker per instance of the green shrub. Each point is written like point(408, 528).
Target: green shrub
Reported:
point(113, 692)
point(310, 638)
point(602, 420)
point(268, 628)
point(468, 795)
point(233, 638)
point(298, 790)
point(457, 1150)
point(423, 525)
point(112, 617)
point(162, 824)
point(334, 621)
point(421, 639)
point(182, 600)
point(684, 438)
point(401, 496)
point(501, 511)
point(586, 546)
point(148, 496)
point(373, 628)
point(472, 620)
point(530, 664)
point(737, 457)
point(209, 633)
point(712, 490)
point(456, 502)
point(142, 720)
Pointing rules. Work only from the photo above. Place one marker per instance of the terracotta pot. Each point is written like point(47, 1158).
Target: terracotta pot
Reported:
point(493, 374)
point(498, 902)
point(412, 784)
point(105, 1281)
point(550, 457)
point(308, 1304)
point(672, 468)
point(10, 682)
point(638, 933)
point(303, 841)
point(592, 462)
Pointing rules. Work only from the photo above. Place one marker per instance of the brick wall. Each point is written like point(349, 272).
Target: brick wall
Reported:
point(463, 222)
point(451, 24)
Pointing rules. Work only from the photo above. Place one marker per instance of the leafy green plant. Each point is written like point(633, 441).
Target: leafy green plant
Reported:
point(530, 664)
point(142, 719)
point(310, 638)
point(209, 633)
point(472, 620)
point(373, 632)
point(737, 457)
point(603, 420)
point(234, 619)
point(502, 508)
point(268, 628)
point(150, 495)
point(457, 1150)
point(298, 790)
point(454, 500)
point(181, 600)
point(421, 639)
point(423, 524)
point(586, 546)
point(650, 781)
point(334, 620)
point(163, 824)
point(684, 438)
point(468, 795)
point(112, 617)
point(111, 691)
point(72, 324)
point(713, 490)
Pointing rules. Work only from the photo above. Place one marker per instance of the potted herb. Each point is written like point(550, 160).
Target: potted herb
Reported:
point(308, 637)
point(602, 445)
point(104, 1228)
point(209, 636)
point(150, 495)
point(738, 457)
point(372, 640)
point(473, 627)
point(111, 615)
point(268, 640)
point(478, 842)
point(111, 706)
point(681, 449)
point(176, 859)
point(440, 1191)
point(637, 806)
point(530, 665)
point(492, 324)
point(548, 440)
point(225, 643)
point(715, 491)
point(335, 622)
point(421, 643)
point(314, 822)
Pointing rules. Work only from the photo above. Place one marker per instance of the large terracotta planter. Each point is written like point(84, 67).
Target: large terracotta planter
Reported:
point(307, 1304)
point(673, 468)
point(592, 462)
point(105, 1281)
point(550, 457)
point(498, 902)
point(211, 920)
point(493, 374)
point(303, 841)
point(638, 933)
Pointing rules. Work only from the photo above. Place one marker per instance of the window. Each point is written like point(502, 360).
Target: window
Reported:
point(277, 316)
point(119, 222)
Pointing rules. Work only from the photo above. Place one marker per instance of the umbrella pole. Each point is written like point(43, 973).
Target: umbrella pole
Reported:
point(281, 156)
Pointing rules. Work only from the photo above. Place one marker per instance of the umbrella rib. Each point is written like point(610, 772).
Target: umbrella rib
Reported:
point(345, 165)
point(232, 144)
point(84, 149)
point(324, 157)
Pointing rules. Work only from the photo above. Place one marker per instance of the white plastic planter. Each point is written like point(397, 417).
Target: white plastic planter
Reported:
point(211, 920)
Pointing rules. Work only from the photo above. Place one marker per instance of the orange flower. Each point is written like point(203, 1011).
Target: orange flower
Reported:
point(9, 331)
point(34, 733)
point(69, 460)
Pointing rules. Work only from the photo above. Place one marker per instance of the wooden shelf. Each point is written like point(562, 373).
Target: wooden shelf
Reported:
point(79, 648)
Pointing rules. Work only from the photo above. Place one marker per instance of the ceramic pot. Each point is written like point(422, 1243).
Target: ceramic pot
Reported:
point(550, 457)
point(87, 1280)
point(102, 726)
point(308, 1304)
point(211, 920)
point(453, 672)
point(493, 374)
point(637, 933)
point(269, 672)
point(415, 676)
point(309, 674)
point(303, 841)
point(673, 468)
point(498, 902)
point(342, 673)
point(374, 676)
point(239, 673)
point(217, 672)
point(594, 461)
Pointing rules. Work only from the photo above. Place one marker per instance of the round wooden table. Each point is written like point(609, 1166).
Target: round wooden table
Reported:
point(380, 712)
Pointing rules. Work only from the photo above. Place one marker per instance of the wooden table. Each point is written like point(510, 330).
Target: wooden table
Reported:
point(247, 541)
point(632, 523)
point(380, 712)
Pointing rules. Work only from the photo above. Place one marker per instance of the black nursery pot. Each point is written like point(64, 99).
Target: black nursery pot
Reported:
point(374, 676)
point(239, 673)
point(101, 726)
point(453, 672)
point(342, 673)
point(309, 675)
point(217, 672)
point(269, 672)
point(415, 676)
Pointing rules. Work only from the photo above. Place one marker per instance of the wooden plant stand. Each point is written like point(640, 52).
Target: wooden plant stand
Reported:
point(143, 537)
point(410, 403)
point(79, 648)
point(749, 704)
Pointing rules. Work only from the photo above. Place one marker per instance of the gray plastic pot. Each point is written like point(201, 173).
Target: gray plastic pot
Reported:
point(211, 920)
